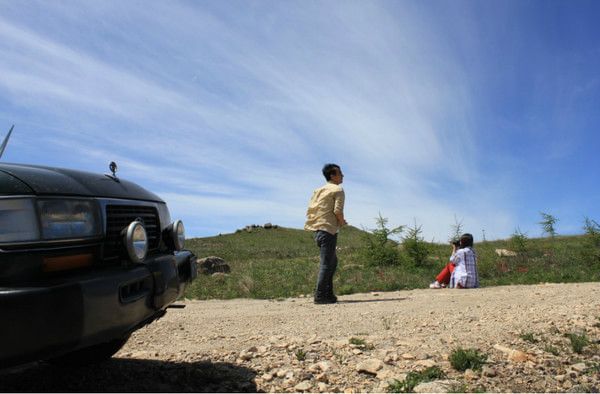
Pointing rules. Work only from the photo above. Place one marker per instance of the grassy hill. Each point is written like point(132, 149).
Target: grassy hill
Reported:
point(283, 262)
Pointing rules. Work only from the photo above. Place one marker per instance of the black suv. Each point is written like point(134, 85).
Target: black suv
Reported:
point(85, 259)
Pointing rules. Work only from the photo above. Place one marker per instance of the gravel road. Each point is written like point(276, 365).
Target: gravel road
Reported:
point(362, 344)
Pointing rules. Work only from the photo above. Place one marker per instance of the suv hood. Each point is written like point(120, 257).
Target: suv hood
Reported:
point(60, 181)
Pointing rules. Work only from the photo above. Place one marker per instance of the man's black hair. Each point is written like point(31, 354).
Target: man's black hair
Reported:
point(330, 170)
point(466, 240)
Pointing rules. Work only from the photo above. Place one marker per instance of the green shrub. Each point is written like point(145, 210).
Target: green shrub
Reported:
point(300, 355)
point(415, 378)
point(414, 245)
point(463, 359)
point(547, 223)
point(518, 242)
point(591, 227)
point(457, 230)
point(578, 342)
point(592, 232)
point(551, 349)
point(357, 341)
point(528, 337)
point(361, 343)
point(379, 249)
point(593, 368)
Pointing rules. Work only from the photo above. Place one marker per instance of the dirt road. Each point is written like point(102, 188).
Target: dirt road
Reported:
point(361, 344)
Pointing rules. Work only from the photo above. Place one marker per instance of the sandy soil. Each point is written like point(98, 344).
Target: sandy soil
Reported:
point(362, 344)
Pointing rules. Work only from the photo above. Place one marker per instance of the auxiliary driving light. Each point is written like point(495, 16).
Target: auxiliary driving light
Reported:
point(178, 234)
point(136, 241)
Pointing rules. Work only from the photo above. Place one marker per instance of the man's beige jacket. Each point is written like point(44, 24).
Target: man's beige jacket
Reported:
point(325, 202)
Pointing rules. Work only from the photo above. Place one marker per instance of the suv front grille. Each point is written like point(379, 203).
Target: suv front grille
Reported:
point(118, 218)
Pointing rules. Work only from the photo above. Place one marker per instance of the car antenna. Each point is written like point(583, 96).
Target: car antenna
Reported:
point(5, 141)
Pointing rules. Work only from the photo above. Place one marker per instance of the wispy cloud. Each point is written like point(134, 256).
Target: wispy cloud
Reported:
point(229, 109)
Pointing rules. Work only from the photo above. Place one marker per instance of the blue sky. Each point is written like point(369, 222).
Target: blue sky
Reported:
point(481, 111)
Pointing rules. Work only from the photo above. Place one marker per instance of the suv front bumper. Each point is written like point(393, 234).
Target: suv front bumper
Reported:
point(63, 315)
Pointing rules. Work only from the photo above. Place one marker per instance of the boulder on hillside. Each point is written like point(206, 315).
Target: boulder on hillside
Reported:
point(210, 265)
point(505, 253)
point(268, 226)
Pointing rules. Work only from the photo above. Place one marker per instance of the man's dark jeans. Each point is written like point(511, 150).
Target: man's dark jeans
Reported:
point(326, 242)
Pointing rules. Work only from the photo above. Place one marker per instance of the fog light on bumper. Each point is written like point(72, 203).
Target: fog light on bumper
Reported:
point(136, 242)
point(177, 234)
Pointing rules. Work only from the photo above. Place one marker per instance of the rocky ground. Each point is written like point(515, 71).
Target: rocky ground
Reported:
point(365, 343)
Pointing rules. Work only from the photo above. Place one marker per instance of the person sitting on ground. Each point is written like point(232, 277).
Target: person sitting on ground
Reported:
point(461, 271)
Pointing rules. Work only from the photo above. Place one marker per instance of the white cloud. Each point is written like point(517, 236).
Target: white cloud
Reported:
point(230, 116)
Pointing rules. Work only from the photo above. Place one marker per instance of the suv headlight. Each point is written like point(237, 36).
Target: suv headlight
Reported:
point(18, 222)
point(65, 218)
point(55, 219)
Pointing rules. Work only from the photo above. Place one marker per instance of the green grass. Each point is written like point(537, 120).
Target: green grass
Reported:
point(551, 349)
point(300, 355)
point(592, 368)
point(463, 359)
point(528, 337)
point(414, 378)
point(578, 342)
point(284, 262)
point(361, 343)
point(357, 341)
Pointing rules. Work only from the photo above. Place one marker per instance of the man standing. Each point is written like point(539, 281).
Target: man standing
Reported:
point(325, 216)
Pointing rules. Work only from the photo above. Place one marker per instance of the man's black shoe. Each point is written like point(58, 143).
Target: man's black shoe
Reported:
point(328, 300)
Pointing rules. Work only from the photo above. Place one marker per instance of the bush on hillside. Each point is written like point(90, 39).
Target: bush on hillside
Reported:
point(414, 246)
point(518, 242)
point(592, 231)
point(379, 249)
point(547, 223)
point(457, 230)
point(592, 236)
